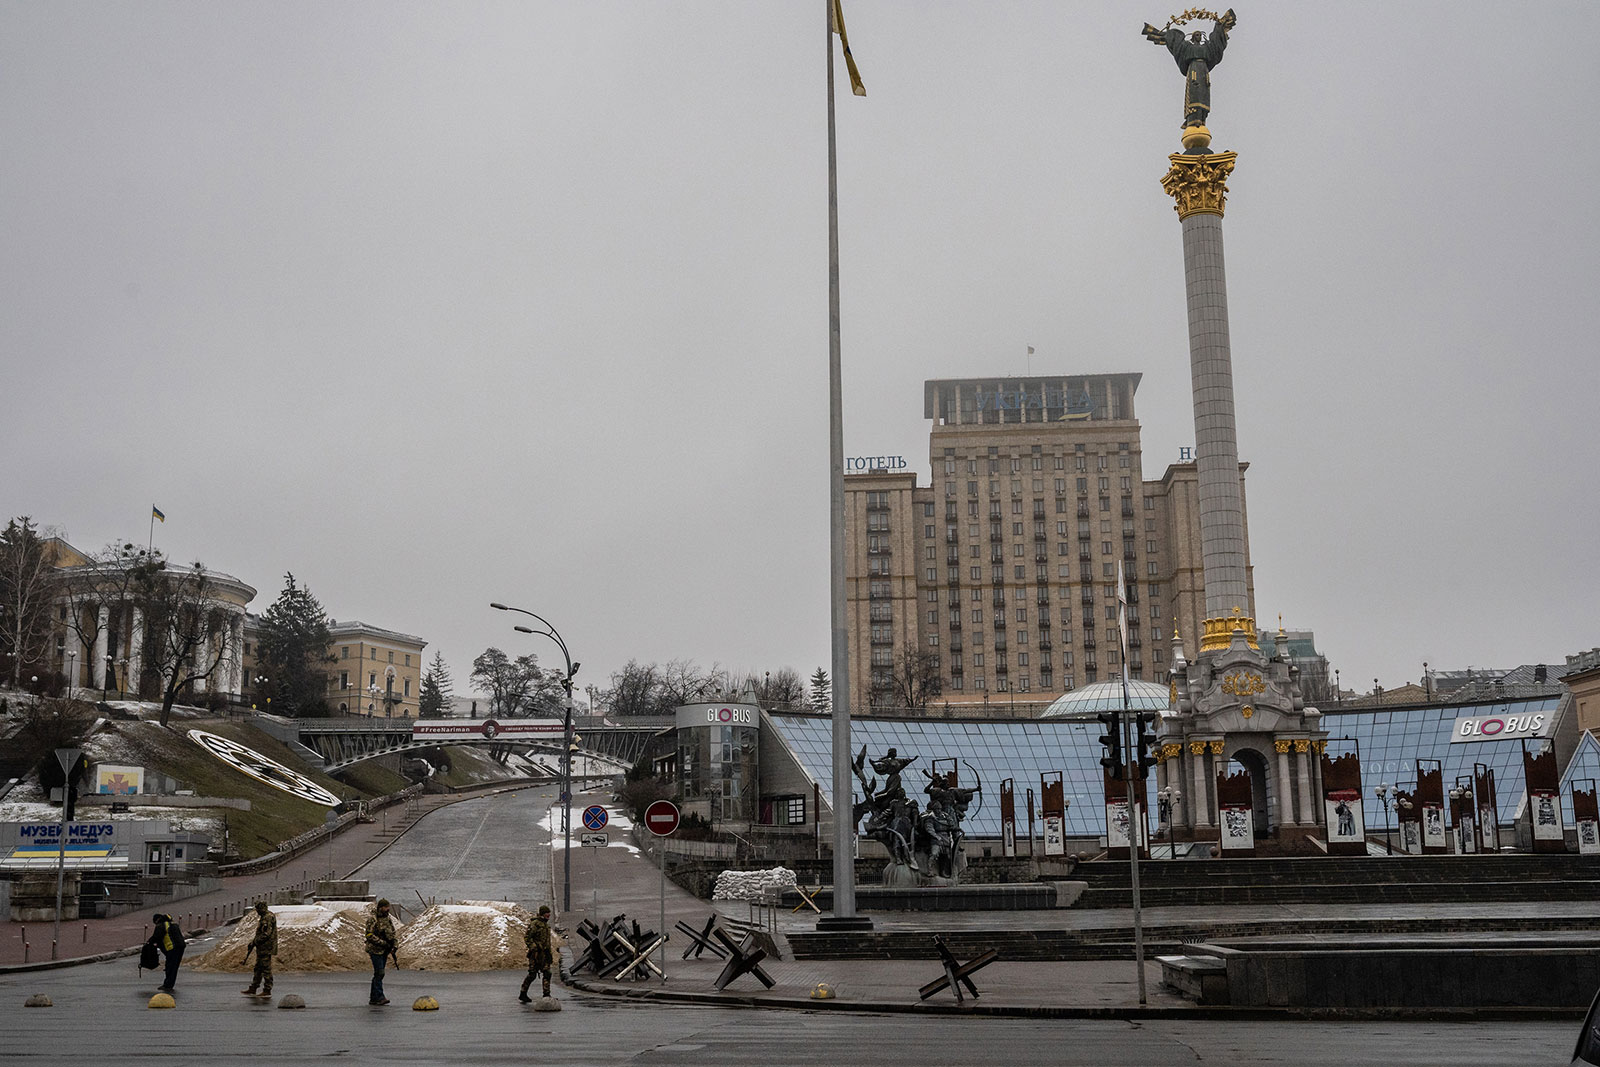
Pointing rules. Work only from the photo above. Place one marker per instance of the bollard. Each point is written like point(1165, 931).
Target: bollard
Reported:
point(85, 933)
point(53, 949)
point(24, 952)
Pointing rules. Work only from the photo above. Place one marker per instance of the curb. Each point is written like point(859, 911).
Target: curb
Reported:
point(1210, 1013)
point(51, 965)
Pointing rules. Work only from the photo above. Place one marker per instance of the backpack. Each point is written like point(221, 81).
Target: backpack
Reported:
point(149, 958)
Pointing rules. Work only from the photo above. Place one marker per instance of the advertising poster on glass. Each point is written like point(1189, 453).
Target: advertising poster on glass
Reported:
point(1544, 800)
point(1488, 822)
point(1053, 802)
point(1586, 813)
point(1409, 817)
point(1430, 800)
point(1236, 814)
point(1341, 799)
point(1008, 818)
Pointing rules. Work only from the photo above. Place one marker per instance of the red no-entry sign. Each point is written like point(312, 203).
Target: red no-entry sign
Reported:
point(661, 818)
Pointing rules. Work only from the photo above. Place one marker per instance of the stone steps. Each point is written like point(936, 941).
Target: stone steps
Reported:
point(1115, 943)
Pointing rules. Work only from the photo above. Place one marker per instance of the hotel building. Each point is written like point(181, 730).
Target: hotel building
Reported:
point(997, 581)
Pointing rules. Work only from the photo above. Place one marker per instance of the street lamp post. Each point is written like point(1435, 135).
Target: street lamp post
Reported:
point(566, 746)
point(1167, 798)
point(1382, 789)
point(72, 671)
point(105, 679)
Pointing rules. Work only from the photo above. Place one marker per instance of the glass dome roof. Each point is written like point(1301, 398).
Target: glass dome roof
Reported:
point(1107, 696)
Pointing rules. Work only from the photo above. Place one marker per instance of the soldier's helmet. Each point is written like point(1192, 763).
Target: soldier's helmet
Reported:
point(544, 909)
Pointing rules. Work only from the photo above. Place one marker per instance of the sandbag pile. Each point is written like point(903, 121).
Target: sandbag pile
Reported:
point(752, 885)
point(473, 935)
point(326, 936)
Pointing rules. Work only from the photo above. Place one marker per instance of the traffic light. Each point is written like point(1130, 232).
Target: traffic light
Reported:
point(1144, 742)
point(1112, 741)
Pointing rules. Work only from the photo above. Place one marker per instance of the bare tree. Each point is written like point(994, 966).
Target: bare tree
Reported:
point(188, 632)
point(28, 580)
point(915, 680)
point(633, 689)
point(516, 685)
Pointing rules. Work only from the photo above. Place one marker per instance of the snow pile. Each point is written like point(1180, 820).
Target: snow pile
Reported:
point(474, 935)
point(752, 885)
point(327, 936)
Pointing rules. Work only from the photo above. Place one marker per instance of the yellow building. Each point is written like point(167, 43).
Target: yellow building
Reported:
point(371, 671)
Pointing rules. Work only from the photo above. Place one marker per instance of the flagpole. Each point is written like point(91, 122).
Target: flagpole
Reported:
point(151, 544)
point(844, 868)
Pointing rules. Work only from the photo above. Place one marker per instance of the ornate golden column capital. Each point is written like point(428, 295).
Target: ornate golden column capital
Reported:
point(1216, 748)
point(1282, 745)
point(1301, 746)
point(1198, 183)
point(1197, 748)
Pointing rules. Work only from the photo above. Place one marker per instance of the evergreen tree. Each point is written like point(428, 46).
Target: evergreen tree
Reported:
point(821, 691)
point(293, 651)
point(434, 701)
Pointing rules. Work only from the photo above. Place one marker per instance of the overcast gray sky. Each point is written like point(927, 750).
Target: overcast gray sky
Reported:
point(438, 304)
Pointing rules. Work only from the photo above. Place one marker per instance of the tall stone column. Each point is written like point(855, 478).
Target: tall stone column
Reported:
point(1197, 183)
point(236, 657)
point(1285, 788)
point(101, 639)
point(1202, 788)
point(135, 652)
point(1303, 750)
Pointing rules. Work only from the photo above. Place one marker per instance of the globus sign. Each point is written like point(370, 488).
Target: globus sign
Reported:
point(1500, 727)
point(746, 715)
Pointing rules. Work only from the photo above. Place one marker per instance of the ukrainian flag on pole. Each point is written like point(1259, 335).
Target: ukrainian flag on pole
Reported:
point(157, 513)
point(836, 21)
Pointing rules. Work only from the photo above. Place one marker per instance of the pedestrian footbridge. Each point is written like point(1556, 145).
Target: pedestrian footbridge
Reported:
point(334, 743)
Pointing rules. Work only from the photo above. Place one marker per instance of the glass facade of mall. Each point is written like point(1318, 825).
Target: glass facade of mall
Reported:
point(718, 760)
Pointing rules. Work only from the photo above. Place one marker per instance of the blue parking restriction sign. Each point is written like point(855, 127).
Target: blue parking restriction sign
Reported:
point(595, 817)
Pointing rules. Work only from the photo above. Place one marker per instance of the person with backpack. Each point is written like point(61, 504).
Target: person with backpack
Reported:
point(265, 945)
point(168, 939)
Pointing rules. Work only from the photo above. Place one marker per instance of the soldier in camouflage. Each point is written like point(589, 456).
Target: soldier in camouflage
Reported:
point(540, 959)
point(265, 945)
point(381, 946)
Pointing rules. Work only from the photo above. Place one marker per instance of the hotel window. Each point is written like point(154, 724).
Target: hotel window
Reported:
point(1038, 462)
point(1061, 462)
point(933, 574)
point(344, 679)
point(1105, 485)
point(927, 531)
point(1149, 546)
point(933, 617)
point(1019, 572)
point(1022, 659)
point(372, 679)
point(1082, 463)
point(1124, 482)
point(977, 659)
point(949, 466)
point(933, 596)
point(1016, 464)
point(1153, 568)
point(1149, 503)
point(391, 657)
point(408, 687)
point(1102, 463)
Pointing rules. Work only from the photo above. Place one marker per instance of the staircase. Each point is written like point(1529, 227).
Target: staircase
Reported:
point(1342, 880)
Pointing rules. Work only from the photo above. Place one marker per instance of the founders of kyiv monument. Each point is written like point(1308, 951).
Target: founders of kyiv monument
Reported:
point(1196, 54)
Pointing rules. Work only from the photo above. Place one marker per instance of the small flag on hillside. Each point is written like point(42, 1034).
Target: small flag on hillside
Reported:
point(836, 16)
point(156, 513)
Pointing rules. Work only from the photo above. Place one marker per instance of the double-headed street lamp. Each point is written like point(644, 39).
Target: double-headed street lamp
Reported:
point(566, 746)
point(1382, 789)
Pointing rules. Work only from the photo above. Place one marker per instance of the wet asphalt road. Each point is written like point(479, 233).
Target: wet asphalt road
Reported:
point(493, 848)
